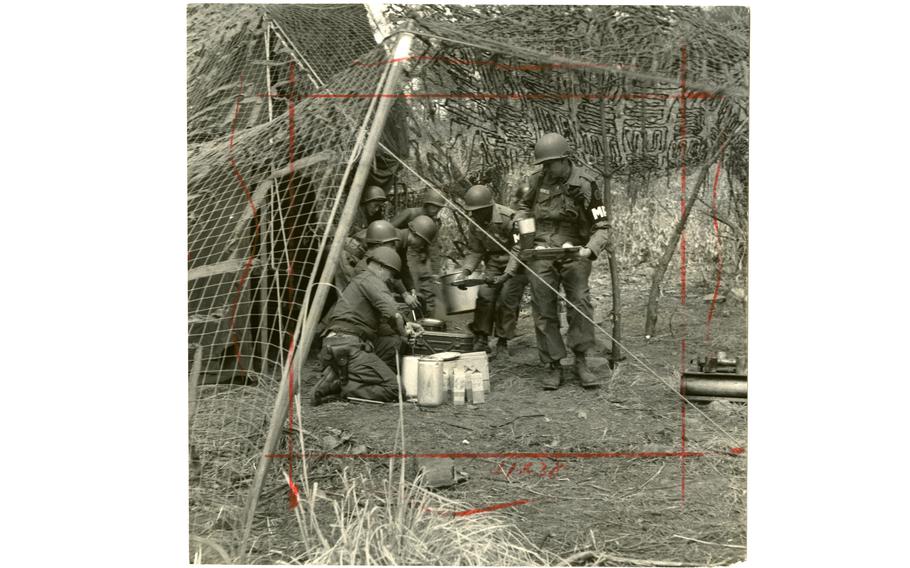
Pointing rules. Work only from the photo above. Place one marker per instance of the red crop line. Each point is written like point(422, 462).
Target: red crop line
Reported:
point(498, 65)
point(510, 96)
point(491, 508)
point(500, 455)
point(682, 266)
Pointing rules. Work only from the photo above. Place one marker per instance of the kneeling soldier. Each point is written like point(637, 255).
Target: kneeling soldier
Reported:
point(358, 360)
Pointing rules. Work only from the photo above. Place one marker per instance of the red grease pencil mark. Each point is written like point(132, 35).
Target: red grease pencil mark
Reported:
point(682, 265)
point(506, 96)
point(491, 508)
point(501, 455)
point(248, 265)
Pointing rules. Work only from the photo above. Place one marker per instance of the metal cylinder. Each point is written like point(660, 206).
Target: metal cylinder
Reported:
point(715, 387)
point(409, 364)
point(431, 388)
point(527, 229)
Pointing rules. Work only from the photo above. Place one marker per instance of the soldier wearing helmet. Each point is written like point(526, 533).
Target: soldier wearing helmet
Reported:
point(490, 238)
point(372, 208)
point(567, 206)
point(358, 358)
point(425, 265)
point(421, 232)
point(431, 204)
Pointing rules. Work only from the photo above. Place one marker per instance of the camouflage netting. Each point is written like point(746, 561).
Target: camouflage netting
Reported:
point(268, 175)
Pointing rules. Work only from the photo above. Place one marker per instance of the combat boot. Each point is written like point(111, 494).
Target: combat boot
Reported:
point(482, 343)
point(502, 348)
point(554, 376)
point(588, 379)
point(327, 389)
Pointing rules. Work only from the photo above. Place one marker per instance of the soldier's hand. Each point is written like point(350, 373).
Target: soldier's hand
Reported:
point(584, 252)
point(411, 300)
point(413, 329)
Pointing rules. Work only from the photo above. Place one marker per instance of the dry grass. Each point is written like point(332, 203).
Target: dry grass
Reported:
point(400, 523)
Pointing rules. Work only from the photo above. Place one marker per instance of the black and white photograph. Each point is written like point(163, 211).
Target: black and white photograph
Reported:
point(467, 284)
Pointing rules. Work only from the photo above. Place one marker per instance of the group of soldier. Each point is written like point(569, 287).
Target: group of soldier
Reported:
point(383, 258)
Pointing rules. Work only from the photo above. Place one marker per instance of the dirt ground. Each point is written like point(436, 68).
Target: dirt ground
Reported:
point(687, 510)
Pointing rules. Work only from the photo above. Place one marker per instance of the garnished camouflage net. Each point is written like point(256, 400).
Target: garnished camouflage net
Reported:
point(278, 100)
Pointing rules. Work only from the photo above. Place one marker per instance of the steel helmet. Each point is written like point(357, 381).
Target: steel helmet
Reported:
point(386, 256)
point(372, 193)
point(381, 232)
point(550, 146)
point(433, 197)
point(478, 197)
point(424, 227)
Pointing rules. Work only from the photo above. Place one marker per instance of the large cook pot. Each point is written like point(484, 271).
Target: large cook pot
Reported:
point(458, 301)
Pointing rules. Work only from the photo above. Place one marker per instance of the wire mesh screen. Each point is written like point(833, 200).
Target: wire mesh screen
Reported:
point(270, 163)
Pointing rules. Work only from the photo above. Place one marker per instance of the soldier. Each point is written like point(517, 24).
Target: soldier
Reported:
point(432, 205)
point(566, 205)
point(358, 359)
point(420, 233)
point(372, 208)
point(509, 299)
point(425, 265)
point(490, 312)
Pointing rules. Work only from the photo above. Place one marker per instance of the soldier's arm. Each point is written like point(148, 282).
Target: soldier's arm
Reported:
point(475, 254)
point(526, 204)
point(382, 299)
point(600, 226)
point(401, 219)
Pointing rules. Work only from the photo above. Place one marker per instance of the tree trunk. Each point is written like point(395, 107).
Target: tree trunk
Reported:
point(664, 262)
point(615, 353)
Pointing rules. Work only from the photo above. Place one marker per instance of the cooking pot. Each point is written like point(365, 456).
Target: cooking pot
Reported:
point(458, 301)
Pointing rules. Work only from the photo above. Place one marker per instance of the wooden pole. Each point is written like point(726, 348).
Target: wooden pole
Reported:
point(304, 331)
point(615, 354)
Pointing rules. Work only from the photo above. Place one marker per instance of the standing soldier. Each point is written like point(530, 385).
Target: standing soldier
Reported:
point(490, 311)
point(427, 264)
point(566, 205)
point(357, 358)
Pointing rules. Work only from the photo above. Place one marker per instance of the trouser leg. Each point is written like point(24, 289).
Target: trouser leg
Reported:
point(370, 378)
point(386, 348)
point(508, 304)
point(485, 309)
point(544, 303)
point(575, 276)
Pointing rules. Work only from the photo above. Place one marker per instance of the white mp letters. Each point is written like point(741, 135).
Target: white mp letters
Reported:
point(599, 212)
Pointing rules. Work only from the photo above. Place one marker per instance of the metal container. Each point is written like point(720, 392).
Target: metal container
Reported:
point(432, 324)
point(449, 362)
point(527, 230)
point(431, 387)
point(458, 301)
point(409, 364)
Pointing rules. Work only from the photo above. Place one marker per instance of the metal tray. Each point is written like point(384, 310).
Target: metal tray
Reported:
point(555, 253)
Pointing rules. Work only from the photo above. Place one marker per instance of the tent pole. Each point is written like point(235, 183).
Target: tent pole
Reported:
point(305, 335)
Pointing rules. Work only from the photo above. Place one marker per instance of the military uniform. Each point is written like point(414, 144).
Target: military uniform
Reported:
point(353, 340)
point(565, 211)
point(490, 311)
point(425, 265)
